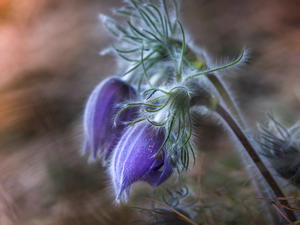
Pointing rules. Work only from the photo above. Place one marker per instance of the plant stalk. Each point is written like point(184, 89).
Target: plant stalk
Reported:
point(226, 98)
point(198, 63)
point(254, 156)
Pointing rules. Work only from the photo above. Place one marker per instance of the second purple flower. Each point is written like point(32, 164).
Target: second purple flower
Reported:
point(137, 158)
point(101, 136)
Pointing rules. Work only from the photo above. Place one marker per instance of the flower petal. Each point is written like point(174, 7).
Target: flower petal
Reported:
point(169, 166)
point(134, 155)
point(100, 134)
point(155, 177)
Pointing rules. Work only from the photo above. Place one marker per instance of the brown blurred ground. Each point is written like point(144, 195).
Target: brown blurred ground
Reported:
point(49, 64)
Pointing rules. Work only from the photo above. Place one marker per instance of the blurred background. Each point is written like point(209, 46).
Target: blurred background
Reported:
point(50, 63)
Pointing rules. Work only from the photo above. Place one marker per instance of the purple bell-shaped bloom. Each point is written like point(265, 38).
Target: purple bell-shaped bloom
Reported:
point(101, 136)
point(135, 159)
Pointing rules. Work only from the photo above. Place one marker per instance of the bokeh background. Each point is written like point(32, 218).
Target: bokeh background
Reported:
point(50, 63)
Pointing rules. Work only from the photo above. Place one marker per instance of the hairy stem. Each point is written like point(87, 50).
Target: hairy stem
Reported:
point(193, 58)
point(254, 156)
point(226, 98)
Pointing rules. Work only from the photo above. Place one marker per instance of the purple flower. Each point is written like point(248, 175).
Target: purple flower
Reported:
point(134, 159)
point(101, 136)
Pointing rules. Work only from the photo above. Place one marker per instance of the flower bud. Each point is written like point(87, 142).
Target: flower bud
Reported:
point(135, 159)
point(286, 161)
point(282, 146)
point(101, 136)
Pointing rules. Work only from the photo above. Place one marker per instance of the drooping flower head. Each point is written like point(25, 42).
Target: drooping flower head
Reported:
point(282, 146)
point(160, 69)
point(169, 108)
point(135, 159)
point(101, 136)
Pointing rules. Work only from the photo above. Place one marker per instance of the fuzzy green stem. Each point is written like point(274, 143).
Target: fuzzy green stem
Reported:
point(219, 68)
point(254, 156)
point(226, 98)
point(196, 63)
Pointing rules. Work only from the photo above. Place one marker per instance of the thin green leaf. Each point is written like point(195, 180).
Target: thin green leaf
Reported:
point(136, 39)
point(119, 113)
point(217, 69)
point(168, 49)
point(142, 61)
point(171, 121)
point(193, 154)
point(182, 132)
point(146, 7)
point(143, 104)
point(126, 13)
point(162, 106)
point(160, 17)
point(166, 28)
point(278, 126)
point(156, 89)
point(139, 120)
point(183, 48)
point(126, 51)
point(151, 22)
point(167, 13)
point(135, 67)
point(127, 59)
point(158, 124)
point(138, 32)
point(176, 15)
point(190, 130)
point(156, 99)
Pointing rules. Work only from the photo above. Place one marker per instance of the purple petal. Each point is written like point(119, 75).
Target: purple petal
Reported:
point(155, 177)
point(134, 155)
point(167, 170)
point(100, 134)
point(119, 156)
point(152, 177)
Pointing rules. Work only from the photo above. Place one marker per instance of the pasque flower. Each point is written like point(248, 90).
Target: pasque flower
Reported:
point(172, 80)
point(135, 159)
point(282, 146)
point(101, 135)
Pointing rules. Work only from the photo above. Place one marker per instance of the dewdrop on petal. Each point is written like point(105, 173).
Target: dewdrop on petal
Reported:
point(135, 159)
point(101, 136)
